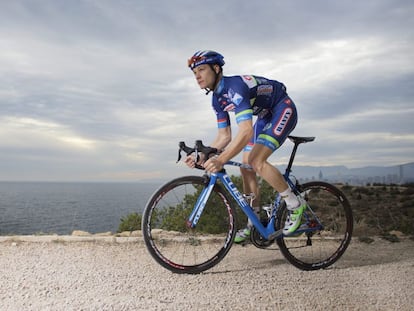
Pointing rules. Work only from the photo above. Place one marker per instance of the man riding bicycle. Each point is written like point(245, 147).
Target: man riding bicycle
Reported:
point(248, 95)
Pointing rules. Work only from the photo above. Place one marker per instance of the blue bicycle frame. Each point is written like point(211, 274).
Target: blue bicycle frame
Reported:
point(267, 231)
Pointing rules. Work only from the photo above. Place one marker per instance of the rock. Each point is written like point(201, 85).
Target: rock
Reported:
point(129, 233)
point(398, 234)
point(109, 233)
point(80, 233)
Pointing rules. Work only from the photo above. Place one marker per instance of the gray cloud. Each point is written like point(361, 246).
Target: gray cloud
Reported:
point(99, 90)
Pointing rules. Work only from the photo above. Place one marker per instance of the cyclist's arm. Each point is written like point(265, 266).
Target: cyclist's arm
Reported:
point(223, 138)
point(244, 115)
point(244, 133)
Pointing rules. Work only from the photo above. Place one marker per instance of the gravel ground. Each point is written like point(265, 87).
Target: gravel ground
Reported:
point(83, 273)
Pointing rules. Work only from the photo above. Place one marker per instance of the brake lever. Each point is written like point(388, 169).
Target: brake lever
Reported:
point(199, 148)
point(182, 147)
point(207, 151)
point(179, 156)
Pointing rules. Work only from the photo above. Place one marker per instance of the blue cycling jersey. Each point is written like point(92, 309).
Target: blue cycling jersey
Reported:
point(254, 95)
point(246, 95)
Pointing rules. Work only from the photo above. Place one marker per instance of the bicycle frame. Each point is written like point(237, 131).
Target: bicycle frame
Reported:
point(267, 231)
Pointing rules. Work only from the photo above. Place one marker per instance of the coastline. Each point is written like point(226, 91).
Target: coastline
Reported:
point(77, 236)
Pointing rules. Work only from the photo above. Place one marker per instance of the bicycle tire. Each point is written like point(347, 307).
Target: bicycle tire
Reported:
point(171, 242)
point(318, 249)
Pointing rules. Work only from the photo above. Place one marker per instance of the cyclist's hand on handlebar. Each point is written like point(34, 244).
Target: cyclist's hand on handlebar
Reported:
point(191, 162)
point(213, 165)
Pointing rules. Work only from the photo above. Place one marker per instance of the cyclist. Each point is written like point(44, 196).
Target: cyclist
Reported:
point(248, 95)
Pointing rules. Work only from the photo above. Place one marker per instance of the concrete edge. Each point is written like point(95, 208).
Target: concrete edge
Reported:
point(71, 239)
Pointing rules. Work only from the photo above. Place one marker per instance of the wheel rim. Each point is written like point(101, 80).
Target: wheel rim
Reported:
point(180, 248)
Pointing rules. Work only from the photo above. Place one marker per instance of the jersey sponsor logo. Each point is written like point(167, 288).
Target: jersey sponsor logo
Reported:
point(249, 80)
point(235, 97)
point(267, 126)
point(265, 90)
point(281, 124)
point(226, 104)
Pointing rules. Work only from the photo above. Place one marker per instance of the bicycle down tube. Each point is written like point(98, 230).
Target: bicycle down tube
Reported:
point(268, 231)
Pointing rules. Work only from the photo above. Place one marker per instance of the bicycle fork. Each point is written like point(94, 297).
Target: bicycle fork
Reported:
point(200, 204)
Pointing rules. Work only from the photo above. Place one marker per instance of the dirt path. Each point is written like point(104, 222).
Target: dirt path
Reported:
point(100, 274)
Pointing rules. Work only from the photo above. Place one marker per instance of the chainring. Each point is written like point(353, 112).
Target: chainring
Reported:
point(259, 241)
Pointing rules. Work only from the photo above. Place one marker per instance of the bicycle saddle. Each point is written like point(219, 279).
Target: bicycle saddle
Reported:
point(299, 140)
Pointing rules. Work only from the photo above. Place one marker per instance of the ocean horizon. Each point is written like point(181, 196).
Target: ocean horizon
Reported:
point(28, 208)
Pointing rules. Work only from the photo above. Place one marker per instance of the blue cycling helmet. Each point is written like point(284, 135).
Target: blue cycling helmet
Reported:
point(205, 57)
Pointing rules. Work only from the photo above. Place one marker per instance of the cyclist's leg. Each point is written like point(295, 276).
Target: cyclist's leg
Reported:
point(249, 179)
point(249, 176)
point(258, 159)
point(273, 176)
point(281, 123)
point(250, 186)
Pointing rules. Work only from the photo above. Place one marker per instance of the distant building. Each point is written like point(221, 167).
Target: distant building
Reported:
point(401, 181)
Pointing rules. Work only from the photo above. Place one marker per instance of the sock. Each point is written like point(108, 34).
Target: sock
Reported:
point(290, 198)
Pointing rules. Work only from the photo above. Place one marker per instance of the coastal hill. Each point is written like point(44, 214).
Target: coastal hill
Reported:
point(397, 174)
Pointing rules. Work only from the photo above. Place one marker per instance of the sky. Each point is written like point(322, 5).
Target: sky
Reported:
point(100, 90)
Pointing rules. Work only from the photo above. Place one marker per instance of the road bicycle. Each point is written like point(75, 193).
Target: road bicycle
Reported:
point(188, 224)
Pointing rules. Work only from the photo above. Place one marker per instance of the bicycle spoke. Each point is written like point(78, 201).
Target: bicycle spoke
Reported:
point(176, 246)
point(325, 231)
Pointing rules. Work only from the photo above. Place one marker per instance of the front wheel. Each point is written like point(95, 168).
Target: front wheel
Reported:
point(325, 230)
point(167, 236)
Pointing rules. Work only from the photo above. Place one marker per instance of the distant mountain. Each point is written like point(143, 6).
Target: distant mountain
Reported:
point(390, 174)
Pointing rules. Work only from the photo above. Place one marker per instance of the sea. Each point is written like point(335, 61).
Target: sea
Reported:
point(28, 208)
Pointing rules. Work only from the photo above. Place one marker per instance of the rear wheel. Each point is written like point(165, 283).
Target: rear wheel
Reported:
point(171, 242)
point(325, 230)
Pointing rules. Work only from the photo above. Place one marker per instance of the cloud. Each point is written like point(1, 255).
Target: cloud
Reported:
point(100, 89)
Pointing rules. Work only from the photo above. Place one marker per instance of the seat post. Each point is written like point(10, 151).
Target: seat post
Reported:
point(296, 140)
point(292, 157)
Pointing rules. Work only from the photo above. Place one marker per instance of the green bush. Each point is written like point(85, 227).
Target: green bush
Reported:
point(212, 221)
point(131, 222)
point(380, 210)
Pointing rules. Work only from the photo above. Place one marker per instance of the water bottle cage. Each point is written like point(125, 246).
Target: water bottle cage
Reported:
point(250, 197)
